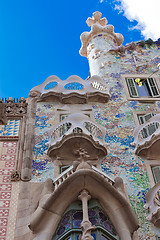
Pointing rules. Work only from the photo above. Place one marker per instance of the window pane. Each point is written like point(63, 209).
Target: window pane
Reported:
point(63, 168)
point(104, 238)
point(132, 87)
point(144, 90)
point(156, 173)
point(153, 86)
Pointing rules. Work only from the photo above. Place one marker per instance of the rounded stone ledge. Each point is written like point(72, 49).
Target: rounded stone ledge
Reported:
point(73, 90)
point(150, 148)
point(62, 148)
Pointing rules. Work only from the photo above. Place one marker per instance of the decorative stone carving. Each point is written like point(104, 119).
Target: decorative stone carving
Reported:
point(82, 162)
point(96, 19)
point(153, 205)
point(15, 175)
point(12, 108)
point(80, 132)
point(34, 94)
point(73, 90)
point(148, 146)
point(86, 225)
point(52, 206)
point(98, 26)
point(3, 119)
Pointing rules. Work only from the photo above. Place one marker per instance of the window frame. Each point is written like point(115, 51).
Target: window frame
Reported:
point(148, 163)
point(154, 175)
point(136, 114)
point(141, 120)
point(139, 98)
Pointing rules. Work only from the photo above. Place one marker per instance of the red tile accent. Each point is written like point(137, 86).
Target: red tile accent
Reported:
point(10, 149)
point(4, 212)
point(3, 222)
point(8, 157)
point(5, 195)
point(3, 231)
point(6, 179)
point(5, 187)
point(10, 164)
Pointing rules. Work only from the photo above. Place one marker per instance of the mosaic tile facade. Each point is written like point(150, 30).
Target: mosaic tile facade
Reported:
point(117, 117)
point(119, 121)
point(8, 191)
point(42, 164)
point(11, 129)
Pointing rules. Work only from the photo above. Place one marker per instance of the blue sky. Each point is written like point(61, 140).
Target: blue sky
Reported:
point(42, 38)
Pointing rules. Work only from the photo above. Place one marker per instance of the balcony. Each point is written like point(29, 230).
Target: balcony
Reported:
point(73, 90)
point(147, 138)
point(153, 205)
point(74, 132)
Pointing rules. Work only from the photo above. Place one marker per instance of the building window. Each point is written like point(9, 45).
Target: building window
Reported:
point(150, 128)
point(69, 227)
point(66, 126)
point(148, 88)
point(64, 168)
point(156, 173)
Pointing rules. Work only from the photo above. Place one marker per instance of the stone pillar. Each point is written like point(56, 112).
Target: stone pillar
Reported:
point(86, 224)
point(26, 174)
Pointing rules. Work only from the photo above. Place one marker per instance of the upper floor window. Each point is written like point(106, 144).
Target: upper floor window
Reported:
point(150, 128)
point(156, 173)
point(147, 88)
point(69, 227)
point(141, 87)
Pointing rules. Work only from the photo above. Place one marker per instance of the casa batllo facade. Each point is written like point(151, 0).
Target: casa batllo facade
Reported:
point(79, 159)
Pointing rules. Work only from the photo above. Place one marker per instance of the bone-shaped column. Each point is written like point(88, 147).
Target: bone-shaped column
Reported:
point(86, 224)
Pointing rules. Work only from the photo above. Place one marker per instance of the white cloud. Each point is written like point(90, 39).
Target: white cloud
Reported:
point(145, 12)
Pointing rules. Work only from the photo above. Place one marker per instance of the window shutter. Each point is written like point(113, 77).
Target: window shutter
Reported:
point(153, 126)
point(132, 87)
point(153, 87)
point(150, 129)
point(141, 120)
point(148, 116)
point(156, 173)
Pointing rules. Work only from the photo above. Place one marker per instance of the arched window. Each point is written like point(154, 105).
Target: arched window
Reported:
point(69, 227)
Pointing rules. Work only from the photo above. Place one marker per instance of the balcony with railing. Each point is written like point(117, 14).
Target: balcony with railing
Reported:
point(147, 138)
point(73, 90)
point(153, 204)
point(74, 132)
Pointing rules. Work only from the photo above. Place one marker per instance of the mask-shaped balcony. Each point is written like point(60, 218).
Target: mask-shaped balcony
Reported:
point(73, 90)
point(147, 138)
point(74, 132)
point(153, 205)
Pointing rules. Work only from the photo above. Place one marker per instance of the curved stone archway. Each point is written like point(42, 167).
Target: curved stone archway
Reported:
point(112, 198)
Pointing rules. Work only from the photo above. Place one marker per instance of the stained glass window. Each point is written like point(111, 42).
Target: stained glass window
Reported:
point(69, 227)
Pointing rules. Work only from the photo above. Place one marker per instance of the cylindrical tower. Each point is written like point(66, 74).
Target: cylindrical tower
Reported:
point(98, 43)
